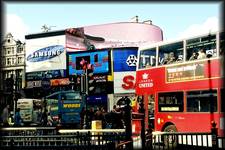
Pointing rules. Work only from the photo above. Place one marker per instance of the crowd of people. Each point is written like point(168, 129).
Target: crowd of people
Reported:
point(112, 119)
point(170, 58)
point(8, 118)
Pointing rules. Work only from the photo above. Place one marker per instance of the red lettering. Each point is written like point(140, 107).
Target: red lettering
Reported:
point(128, 82)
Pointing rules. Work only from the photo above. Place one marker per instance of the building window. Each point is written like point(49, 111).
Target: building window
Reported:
point(20, 50)
point(8, 50)
point(20, 60)
point(9, 61)
point(13, 61)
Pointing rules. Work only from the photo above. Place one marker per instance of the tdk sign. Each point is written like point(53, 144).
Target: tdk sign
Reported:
point(46, 53)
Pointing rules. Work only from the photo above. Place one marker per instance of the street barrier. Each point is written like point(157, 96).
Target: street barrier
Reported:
point(36, 138)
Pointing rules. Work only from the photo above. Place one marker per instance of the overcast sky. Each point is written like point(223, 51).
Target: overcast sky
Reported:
point(175, 19)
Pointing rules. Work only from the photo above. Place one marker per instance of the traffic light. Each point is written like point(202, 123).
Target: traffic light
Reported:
point(90, 80)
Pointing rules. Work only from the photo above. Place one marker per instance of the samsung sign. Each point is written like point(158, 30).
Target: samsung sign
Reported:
point(46, 53)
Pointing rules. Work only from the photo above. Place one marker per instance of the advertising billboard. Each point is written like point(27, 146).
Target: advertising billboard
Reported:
point(99, 59)
point(125, 59)
point(124, 82)
point(97, 100)
point(46, 53)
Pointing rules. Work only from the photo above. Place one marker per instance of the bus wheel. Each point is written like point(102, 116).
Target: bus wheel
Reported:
point(170, 139)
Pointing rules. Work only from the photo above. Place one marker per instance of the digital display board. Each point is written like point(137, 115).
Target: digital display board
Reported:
point(125, 59)
point(99, 59)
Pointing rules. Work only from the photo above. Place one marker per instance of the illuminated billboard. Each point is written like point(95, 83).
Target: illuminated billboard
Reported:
point(99, 59)
point(125, 59)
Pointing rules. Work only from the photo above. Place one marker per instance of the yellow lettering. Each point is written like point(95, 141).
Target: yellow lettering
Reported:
point(71, 105)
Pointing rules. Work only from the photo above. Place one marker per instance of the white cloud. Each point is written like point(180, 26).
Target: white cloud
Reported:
point(210, 25)
point(15, 25)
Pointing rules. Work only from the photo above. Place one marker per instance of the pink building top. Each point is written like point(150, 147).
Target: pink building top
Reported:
point(126, 31)
point(122, 34)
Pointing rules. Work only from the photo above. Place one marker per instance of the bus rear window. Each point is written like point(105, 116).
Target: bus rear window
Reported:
point(170, 102)
point(202, 101)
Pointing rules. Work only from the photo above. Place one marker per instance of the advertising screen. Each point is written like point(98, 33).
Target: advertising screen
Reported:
point(125, 59)
point(99, 59)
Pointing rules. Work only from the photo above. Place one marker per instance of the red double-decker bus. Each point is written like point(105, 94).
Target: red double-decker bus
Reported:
point(182, 82)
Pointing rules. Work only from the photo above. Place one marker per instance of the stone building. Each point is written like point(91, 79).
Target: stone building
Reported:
point(12, 66)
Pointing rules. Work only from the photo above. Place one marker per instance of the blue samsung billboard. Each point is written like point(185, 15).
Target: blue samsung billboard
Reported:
point(125, 59)
point(100, 60)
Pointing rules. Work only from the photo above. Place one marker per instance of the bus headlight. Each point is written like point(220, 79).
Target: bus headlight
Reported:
point(158, 120)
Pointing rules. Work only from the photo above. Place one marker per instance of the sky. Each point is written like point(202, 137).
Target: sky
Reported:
point(177, 20)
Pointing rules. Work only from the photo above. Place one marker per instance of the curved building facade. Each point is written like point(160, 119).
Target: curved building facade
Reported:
point(122, 34)
point(126, 31)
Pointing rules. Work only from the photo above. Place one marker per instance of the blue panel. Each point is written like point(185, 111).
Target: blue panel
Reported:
point(97, 100)
point(124, 59)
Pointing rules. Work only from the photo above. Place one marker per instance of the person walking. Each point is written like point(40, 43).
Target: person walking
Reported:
point(44, 118)
point(18, 119)
point(89, 118)
point(50, 120)
point(5, 116)
point(11, 119)
point(82, 118)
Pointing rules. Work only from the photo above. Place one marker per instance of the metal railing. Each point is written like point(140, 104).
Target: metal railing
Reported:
point(36, 138)
point(176, 140)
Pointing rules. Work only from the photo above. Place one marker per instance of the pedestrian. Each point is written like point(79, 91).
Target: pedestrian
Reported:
point(114, 108)
point(11, 119)
point(82, 118)
point(89, 117)
point(5, 116)
point(98, 114)
point(103, 110)
point(39, 115)
point(18, 119)
point(49, 120)
point(44, 118)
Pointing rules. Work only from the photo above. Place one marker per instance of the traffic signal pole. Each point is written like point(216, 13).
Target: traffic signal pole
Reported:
point(86, 89)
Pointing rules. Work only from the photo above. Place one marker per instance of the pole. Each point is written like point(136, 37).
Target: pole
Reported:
point(127, 121)
point(214, 132)
point(86, 86)
point(142, 111)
